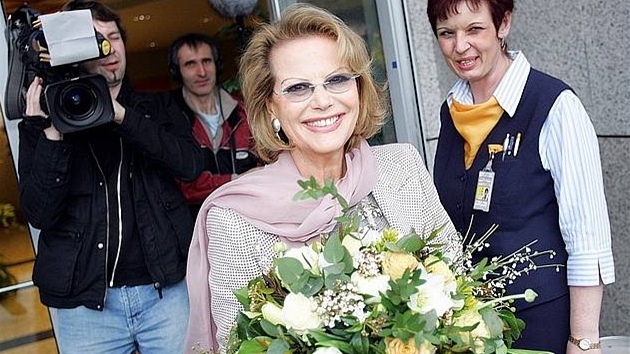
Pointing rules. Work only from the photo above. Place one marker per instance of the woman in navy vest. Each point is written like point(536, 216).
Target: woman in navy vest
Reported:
point(517, 148)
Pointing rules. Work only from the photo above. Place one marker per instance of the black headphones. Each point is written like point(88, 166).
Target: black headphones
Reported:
point(193, 40)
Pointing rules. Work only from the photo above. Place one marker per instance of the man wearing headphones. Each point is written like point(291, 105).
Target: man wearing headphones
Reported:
point(218, 119)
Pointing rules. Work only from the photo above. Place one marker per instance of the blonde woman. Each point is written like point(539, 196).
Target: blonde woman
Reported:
point(311, 103)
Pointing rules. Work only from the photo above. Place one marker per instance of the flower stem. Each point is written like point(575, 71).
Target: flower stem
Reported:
point(529, 295)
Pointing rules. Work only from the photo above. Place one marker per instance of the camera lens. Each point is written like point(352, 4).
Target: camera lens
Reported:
point(78, 101)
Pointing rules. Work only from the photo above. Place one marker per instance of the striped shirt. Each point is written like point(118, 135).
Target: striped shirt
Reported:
point(569, 150)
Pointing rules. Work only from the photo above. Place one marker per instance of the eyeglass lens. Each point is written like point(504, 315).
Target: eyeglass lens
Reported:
point(301, 91)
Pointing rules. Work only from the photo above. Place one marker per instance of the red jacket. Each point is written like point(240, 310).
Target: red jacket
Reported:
point(234, 155)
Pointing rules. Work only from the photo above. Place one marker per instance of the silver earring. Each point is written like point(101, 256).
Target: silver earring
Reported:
point(503, 44)
point(275, 124)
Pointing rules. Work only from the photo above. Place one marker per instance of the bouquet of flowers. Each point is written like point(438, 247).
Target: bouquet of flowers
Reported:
point(380, 292)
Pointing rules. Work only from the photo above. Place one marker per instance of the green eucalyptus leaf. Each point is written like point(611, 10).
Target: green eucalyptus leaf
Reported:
point(347, 260)
point(270, 329)
point(312, 286)
point(331, 280)
point(393, 247)
point(492, 320)
point(278, 346)
point(299, 283)
point(337, 268)
point(411, 243)
point(430, 321)
point(289, 269)
point(334, 250)
point(242, 296)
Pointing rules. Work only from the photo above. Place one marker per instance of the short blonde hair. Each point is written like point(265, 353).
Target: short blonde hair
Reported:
point(297, 21)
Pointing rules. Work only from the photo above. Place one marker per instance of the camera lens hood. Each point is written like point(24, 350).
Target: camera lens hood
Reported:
point(79, 103)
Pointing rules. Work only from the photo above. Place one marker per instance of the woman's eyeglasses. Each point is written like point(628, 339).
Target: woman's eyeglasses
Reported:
point(301, 91)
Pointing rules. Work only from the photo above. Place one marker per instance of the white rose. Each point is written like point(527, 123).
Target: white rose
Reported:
point(299, 313)
point(431, 295)
point(307, 256)
point(327, 350)
point(371, 286)
point(272, 313)
point(352, 244)
point(436, 266)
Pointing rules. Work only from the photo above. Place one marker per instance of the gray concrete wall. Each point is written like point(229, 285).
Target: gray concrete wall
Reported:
point(587, 44)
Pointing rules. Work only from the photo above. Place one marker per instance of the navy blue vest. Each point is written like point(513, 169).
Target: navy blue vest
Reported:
point(523, 201)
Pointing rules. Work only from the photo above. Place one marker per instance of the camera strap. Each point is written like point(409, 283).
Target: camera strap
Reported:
point(18, 27)
point(14, 99)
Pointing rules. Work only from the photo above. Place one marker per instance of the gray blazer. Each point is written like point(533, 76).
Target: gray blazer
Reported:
point(240, 252)
point(407, 196)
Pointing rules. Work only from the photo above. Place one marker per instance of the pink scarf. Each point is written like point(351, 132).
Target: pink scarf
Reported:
point(264, 198)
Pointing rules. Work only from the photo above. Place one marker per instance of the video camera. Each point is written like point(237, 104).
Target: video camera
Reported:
point(74, 100)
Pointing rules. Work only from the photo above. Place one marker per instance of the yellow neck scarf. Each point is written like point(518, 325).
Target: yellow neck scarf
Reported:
point(474, 123)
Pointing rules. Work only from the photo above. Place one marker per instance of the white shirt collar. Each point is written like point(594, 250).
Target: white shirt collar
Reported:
point(509, 91)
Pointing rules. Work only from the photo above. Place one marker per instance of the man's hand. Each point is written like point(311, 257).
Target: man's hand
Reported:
point(34, 108)
point(119, 111)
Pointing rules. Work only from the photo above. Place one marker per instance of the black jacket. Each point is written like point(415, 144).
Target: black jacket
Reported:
point(64, 193)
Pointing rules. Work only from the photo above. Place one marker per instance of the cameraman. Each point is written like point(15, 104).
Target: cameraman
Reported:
point(115, 228)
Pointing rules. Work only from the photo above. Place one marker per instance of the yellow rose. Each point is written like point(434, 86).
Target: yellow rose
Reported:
point(397, 346)
point(437, 266)
point(474, 339)
point(395, 264)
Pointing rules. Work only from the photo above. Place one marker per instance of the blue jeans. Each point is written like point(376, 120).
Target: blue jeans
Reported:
point(134, 318)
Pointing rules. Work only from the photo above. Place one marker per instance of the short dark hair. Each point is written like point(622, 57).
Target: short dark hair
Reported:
point(441, 9)
point(193, 40)
point(99, 12)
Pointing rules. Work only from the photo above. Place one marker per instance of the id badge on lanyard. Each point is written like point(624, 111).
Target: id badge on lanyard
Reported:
point(485, 181)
